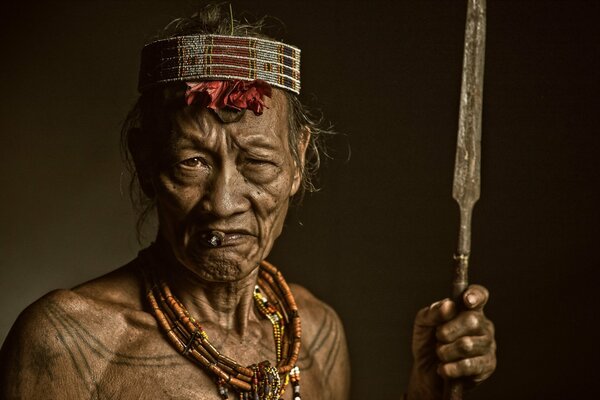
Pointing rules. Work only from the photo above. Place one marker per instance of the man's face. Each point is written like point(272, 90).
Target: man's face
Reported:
point(232, 179)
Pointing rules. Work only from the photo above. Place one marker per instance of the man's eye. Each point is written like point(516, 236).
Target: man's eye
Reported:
point(193, 162)
point(260, 161)
point(256, 161)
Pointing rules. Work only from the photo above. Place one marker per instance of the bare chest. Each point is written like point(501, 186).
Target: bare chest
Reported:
point(140, 363)
point(181, 381)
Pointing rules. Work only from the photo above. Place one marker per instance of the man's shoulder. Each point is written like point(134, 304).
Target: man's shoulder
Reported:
point(308, 303)
point(324, 352)
point(315, 314)
point(33, 352)
point(39, 318)
point(68, 331)
point(121, 288)
point(90, 303)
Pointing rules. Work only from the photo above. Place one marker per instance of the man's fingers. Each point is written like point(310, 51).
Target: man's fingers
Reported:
point(436, 314)
point(477, 367)
point(467, 323)
point(465, 347)
point(475, 297)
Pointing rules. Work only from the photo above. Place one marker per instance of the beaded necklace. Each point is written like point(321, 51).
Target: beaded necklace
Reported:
point(260, 381)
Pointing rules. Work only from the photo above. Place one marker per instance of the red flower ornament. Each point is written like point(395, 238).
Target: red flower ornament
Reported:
point(235, 94)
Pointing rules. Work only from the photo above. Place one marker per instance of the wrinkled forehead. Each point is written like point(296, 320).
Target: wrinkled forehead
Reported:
point(271, 127)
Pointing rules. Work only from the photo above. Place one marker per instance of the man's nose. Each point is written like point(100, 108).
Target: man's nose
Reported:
point(225, 196)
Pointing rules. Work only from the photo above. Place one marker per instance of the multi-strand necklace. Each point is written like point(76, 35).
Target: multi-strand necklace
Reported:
point(260, 381)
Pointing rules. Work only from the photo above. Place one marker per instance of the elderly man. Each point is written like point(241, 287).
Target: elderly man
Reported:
point(220, 145)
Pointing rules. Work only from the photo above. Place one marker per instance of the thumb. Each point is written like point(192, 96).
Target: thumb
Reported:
point(475, 297)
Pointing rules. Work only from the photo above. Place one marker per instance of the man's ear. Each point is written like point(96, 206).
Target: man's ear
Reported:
point(303, 141)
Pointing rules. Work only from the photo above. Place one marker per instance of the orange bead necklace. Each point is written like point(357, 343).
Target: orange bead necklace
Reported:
point(261, 381)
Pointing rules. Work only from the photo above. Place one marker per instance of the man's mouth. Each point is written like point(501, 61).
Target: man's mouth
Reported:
point(221, 238)
point(213, 238)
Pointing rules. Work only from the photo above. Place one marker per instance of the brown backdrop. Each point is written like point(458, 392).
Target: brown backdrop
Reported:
point(377, 241)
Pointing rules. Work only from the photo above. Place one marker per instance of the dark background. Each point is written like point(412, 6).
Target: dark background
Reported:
point(376, 242)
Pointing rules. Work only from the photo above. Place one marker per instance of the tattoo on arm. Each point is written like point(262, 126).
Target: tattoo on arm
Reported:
point(324, 347)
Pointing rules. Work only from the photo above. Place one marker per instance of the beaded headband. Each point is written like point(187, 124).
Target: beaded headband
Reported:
point(213, 57)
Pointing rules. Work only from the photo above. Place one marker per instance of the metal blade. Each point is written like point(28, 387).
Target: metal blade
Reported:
point(466, 185)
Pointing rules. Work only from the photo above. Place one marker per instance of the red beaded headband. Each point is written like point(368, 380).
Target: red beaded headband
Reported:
point(218, 57)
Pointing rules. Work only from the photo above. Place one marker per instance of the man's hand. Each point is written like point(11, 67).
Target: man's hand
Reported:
point(451, 342)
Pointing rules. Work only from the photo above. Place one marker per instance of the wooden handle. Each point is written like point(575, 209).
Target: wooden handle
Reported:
point(453, 390)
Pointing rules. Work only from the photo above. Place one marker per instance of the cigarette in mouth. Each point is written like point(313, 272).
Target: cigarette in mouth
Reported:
point(214, 238)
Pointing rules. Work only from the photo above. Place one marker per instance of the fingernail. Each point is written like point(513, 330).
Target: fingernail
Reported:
point(471, 299)
point(436, 305)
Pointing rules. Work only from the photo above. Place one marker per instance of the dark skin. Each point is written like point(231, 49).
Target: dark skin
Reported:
point(452, 344)
point(99, 341)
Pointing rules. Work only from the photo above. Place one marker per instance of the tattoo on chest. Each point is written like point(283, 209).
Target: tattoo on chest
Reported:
point(90, 356)
point(87, 353)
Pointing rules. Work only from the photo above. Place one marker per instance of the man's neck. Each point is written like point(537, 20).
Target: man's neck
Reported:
point(229, 305)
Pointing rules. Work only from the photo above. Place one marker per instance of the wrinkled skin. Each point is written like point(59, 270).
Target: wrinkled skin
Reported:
point(235, 179)
point(451, 344)
point(98, 340)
